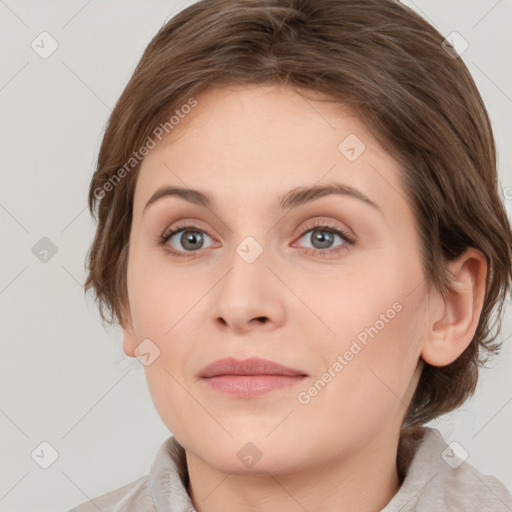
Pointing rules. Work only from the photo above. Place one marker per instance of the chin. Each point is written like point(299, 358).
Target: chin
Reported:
point(247, 453)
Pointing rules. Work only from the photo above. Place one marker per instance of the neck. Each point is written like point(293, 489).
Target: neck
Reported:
point(366, 480)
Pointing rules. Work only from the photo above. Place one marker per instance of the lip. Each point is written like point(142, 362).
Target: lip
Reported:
point(249, 378)
point(250, 366)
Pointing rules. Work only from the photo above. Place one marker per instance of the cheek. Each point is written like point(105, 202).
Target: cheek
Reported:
point(377, 381)
point(170, 399)
point(161, 295)
point(379, 329)
point(392, 355)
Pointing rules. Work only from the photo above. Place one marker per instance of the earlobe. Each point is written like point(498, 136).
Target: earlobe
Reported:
point(129, 341)
point(452, 326)
point(129, 336)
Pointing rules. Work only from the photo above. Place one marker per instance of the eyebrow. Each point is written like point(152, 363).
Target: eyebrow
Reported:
point(292, 199)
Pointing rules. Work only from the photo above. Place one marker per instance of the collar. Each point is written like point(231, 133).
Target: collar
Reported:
point(419, 462)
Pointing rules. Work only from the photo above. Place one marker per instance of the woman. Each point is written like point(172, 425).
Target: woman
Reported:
point(301, 234)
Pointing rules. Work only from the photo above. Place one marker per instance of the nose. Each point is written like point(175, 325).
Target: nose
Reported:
point(249, 297)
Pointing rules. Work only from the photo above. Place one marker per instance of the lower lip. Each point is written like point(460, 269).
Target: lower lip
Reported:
point(249, 386)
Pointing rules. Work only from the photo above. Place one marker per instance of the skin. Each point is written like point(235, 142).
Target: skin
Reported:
point(246, 146)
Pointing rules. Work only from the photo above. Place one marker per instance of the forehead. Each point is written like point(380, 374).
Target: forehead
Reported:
point(261, 141)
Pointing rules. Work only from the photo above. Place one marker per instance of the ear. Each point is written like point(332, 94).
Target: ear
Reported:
point(129, 337)
point(454, 318)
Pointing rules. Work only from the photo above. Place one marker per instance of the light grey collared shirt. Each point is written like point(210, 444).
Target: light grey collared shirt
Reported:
point(435, 480)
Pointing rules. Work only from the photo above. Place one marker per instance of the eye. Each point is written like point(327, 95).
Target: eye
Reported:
point(190, 240)
point(322, 238)
point(185, 240)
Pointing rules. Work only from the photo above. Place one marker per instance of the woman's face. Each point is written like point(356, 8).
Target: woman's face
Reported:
point(249, 276)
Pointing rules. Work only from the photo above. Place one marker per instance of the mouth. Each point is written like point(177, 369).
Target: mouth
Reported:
point(249, 378)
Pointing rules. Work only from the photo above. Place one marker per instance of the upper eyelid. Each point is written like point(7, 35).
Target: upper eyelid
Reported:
point(311, 210)
point(304, 228)
point(326, 224)
point(184, 224)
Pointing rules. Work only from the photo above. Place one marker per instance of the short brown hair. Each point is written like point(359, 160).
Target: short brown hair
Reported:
point(389, 65)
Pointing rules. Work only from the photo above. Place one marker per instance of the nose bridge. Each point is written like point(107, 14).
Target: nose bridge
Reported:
point(248, 295)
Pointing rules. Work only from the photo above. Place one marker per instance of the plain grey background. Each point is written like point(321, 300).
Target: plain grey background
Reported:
point(64, 380)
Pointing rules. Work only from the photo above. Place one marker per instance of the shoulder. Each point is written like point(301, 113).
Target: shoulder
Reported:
point(437, 479)
point(464, 488)
point(165, 484)
point(133, 496)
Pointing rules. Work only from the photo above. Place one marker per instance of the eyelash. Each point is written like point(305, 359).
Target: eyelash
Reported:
point(322, 226)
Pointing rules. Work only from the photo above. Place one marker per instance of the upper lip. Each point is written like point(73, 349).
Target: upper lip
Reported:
point(250, 366)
